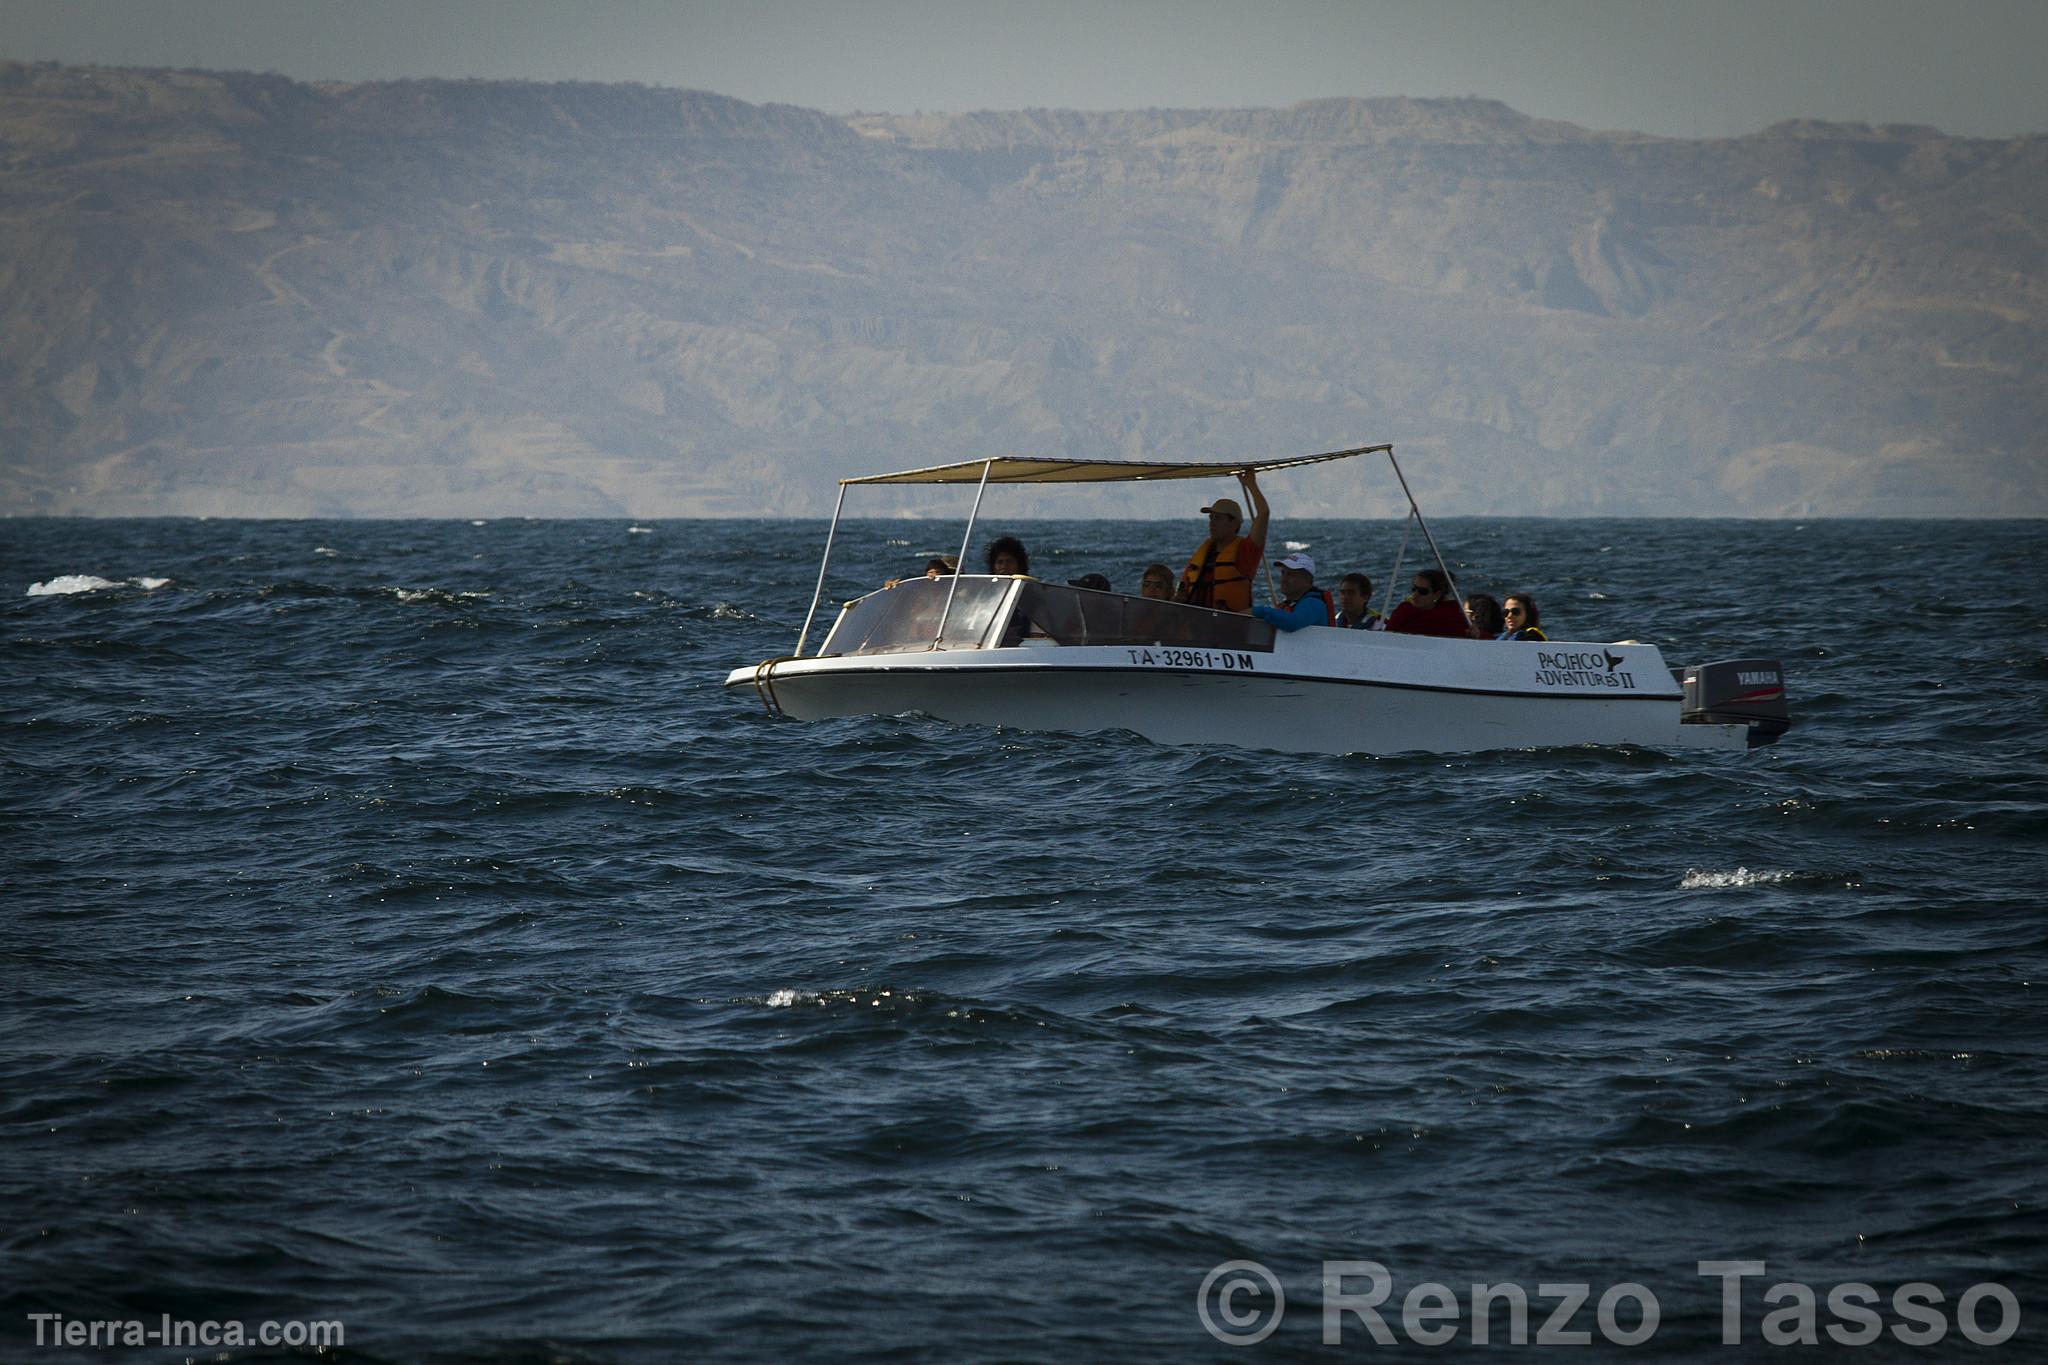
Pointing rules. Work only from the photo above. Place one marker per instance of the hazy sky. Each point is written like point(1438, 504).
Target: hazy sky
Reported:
point(1694, 68)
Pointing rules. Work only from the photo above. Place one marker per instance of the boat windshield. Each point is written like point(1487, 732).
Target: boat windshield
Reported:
point(905, 618)
point(1047, 612)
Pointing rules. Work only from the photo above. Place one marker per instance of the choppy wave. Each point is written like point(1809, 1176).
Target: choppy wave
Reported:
point(1697, 879)
point(881, 998)
point(70, 583)
point(418, 934)
point(64, 585)
point(440, 596)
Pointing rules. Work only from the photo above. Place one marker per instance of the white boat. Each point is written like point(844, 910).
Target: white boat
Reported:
point(1015, 651)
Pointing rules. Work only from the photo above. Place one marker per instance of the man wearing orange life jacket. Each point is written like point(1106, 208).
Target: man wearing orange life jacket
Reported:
point(1221, 572)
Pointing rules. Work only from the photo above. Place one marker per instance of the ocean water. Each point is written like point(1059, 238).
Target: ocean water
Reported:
point(403, 928)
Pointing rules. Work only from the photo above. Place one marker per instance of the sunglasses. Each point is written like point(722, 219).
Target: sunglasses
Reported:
point(1419, 589)
point(1511, 611)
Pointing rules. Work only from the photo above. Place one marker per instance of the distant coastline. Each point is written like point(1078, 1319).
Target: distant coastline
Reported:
point(240, 294)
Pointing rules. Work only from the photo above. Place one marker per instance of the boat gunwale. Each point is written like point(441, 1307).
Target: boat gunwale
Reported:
point(977, 661)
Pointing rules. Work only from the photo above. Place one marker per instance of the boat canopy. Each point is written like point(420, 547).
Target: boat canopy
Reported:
point(1022, 469)
point(1019, 469)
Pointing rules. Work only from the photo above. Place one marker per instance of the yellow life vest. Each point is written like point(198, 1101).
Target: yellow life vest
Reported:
point(1212, 578)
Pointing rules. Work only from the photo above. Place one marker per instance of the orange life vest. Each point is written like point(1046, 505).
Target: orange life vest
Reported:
point(1212, 578)
point(1329, 606)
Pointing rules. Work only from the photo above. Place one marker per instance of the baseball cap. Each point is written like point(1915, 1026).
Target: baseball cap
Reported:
point(1227, 506)
point(1299, 560)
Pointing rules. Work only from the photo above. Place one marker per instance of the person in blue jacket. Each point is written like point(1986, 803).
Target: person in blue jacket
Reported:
point(1303, 603)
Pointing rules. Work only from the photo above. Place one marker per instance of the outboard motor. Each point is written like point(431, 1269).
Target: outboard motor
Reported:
point(1737, 692)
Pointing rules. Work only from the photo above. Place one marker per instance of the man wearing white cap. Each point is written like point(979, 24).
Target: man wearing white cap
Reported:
point(1305, 604)
point(1220, 574)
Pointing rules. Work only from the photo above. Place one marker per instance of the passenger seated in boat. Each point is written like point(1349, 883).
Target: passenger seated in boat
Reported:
point(1430, 609)
point(1149, 617)
point(1303, 603)
point(1521, 618)
point(1006, 555)
point(938, 566)
point(1484, 614)
point(1221, 571)
point(1354, 604)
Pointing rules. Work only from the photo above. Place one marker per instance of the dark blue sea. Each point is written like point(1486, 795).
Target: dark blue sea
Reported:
point(403, 928)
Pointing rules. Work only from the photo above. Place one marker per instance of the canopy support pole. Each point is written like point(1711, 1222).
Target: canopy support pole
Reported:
point(1394, 574)
point(960, 565)
point(1417, 510)
point(817, 596)
point(1272, 593)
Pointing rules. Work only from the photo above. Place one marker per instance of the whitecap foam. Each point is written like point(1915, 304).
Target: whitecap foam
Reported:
point(325, 550)
point(1296, 544)
point(639, 530)
point(1699, 879)
point(885, 998)
point(69, 583)
point(478, 521)
point(150, 583)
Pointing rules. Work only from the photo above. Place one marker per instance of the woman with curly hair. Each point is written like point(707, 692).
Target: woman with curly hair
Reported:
point(1006, 555)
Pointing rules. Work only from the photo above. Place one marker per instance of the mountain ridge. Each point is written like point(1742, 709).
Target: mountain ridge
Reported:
point(238, 293)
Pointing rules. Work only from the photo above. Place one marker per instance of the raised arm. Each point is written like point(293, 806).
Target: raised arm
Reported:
point(1261, 513)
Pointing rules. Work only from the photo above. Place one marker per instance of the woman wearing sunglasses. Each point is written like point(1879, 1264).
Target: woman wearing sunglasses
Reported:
point(1521, 616)
point(1430, 609)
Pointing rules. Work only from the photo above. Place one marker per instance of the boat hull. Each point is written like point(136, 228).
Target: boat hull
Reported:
point(1332, 695)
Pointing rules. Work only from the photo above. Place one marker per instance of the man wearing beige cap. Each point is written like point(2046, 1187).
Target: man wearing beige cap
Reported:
point(1221, 572)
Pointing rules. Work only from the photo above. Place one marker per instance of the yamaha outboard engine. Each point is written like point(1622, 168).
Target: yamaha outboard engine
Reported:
point(1737, 692)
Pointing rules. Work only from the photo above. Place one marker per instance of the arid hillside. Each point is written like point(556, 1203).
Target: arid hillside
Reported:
point(239, 294)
